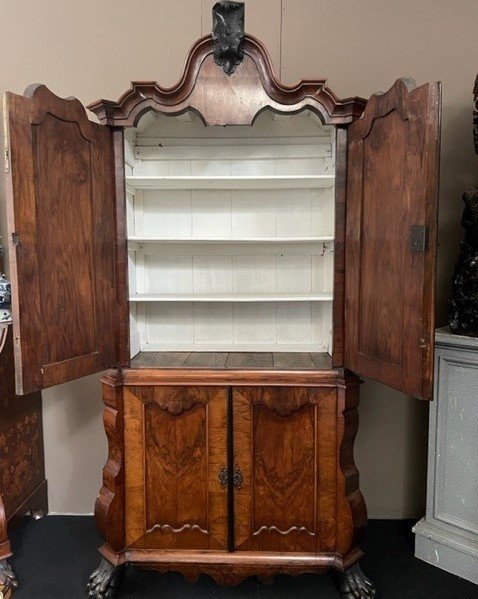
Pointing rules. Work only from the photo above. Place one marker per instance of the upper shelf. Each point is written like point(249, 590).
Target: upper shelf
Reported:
point(230, 182)
point(232, 297)
point(135, 239)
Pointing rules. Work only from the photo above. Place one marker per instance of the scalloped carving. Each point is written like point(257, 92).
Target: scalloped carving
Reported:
point(67, 109)
point(283, 401)
point(177, 400)
point(398, 97)
point(273, 528)
point(170, 528)
point(223, 99)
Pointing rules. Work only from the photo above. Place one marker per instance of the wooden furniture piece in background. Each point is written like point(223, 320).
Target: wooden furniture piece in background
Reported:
point(23, 488)
point(448, 535)
point(252, 271)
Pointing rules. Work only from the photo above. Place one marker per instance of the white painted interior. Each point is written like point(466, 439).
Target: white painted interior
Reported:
point(230, 234)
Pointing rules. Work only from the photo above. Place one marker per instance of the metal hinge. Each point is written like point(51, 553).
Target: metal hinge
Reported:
point(419, 239)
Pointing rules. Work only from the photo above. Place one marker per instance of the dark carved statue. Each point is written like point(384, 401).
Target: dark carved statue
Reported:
point(228, 34)
point(463, 302)
point(475, 114)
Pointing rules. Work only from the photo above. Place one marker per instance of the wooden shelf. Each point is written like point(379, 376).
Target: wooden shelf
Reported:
point(231, 360)
point(191, 240)
point(229, 182)
point(232, 297)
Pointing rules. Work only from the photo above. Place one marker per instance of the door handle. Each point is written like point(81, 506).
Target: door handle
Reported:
point(237, 477)
point(223, 476)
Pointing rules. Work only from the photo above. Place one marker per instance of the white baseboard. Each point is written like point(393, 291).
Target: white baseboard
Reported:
point(446, 550)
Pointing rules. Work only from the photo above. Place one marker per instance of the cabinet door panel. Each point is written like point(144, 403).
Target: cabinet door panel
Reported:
point(61, 220)
point(392, 183)
point(175, 447)
point(285, 448)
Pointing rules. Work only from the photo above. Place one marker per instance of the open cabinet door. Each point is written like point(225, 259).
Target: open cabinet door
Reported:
point(61, 221)
point(392, 188)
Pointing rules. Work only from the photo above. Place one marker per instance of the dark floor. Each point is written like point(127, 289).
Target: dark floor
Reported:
point(54, 557)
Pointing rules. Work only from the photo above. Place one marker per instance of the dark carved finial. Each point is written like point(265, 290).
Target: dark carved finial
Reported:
point(228, 34)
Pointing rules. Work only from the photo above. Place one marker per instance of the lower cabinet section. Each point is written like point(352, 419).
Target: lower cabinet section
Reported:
point(230, 480)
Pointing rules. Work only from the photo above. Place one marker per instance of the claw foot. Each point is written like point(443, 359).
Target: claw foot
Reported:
point(353, 584)
point(105, 581)
point(37, 514)
point(8, 580)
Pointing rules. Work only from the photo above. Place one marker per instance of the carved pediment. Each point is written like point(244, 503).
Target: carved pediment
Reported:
point(227, 99)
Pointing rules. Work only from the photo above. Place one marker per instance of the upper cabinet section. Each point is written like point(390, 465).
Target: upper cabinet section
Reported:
point(228, 99)
point(392, 185)
point(61, 220)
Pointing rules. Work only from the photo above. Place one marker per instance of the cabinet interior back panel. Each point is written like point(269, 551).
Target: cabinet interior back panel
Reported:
point(246, 268)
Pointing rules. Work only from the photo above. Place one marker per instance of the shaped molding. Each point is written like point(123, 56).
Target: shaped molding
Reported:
point(399, 97)
point(351, 508)
point(67, 109)
point(222, 99)
point(273, 528)
point(172, 529)
point(109, 508)
point(177, 401)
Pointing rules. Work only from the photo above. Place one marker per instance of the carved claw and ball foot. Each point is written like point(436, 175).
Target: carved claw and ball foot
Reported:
point(8, 580)
point(105, 581)
point(37, 514)
point(353, 584)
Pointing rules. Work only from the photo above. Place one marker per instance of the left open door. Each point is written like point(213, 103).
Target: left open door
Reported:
point(61, 226)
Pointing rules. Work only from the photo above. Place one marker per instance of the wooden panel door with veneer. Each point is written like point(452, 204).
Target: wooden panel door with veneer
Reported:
point(61, 220)
point(285, 442)
point(175, 449)
point(392, 184)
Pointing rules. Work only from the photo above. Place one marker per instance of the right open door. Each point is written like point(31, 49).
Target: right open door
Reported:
point(392, 189)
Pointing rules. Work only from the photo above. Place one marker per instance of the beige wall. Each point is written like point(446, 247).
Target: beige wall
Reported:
point(91, 49)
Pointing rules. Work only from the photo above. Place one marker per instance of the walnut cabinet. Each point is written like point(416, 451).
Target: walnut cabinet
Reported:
point(235, 253)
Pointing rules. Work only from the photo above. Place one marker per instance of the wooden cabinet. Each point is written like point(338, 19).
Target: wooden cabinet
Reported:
point(23, 487)
point(231, 480)
point(236, 252)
